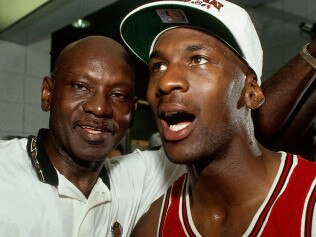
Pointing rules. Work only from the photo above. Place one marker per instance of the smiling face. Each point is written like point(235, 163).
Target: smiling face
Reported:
point(90, 98)
point(195, 91)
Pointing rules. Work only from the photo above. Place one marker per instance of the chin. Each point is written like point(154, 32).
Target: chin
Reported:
point(94, 149)
point(189, 152)
point(93, 154)
point(180, 155)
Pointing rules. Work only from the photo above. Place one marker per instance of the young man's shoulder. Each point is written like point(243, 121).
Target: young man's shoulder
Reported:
point(298, 175)
point(293, 199)
point(307, 167)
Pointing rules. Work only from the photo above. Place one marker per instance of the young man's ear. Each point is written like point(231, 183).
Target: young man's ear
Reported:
point(253, 96)
point(47, 86)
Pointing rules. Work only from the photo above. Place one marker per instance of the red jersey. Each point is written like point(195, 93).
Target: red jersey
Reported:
point(287, 210)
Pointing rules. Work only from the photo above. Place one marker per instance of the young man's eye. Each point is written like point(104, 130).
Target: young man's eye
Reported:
point(198, 60)
point(158, 67)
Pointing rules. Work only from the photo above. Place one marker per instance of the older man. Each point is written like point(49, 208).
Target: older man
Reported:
point(59, 183)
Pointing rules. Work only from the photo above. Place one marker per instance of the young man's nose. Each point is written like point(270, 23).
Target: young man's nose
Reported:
point(173, 79)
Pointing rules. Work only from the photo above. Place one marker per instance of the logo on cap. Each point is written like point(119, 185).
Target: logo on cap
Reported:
point(172, 16)
point(208, 4)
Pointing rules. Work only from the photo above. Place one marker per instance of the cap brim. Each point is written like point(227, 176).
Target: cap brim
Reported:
point(140, 27)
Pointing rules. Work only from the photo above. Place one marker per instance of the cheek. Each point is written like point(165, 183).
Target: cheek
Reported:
point(215, 104)
point(126, 119)
point(122, 123)
point(122, 110)
point(123, 116)
point(151, 93)
point(70, 111)
point(66, 101)
point(61, 107)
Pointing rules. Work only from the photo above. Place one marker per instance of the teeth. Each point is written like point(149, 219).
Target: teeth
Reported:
point(178, 127)
point(92, 130)
point(170, 113)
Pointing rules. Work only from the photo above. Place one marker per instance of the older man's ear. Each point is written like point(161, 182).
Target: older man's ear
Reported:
point(47, 85)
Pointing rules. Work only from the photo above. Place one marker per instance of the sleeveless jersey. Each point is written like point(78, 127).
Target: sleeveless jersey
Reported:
point(287, 210)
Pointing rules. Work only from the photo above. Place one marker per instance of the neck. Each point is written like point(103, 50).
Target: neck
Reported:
point(83, 174)
point(234, 176)
point(226, 193)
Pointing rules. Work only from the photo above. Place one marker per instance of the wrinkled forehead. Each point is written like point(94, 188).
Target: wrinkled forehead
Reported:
point(85, 58)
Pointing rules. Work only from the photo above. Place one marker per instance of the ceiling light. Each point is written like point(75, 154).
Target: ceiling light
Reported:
point(15, 10)
point(81, 23)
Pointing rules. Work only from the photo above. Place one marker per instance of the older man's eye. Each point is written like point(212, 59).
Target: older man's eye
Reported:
point(80, 86)
point(158, 67)
point(198, 60)
point(119, 95)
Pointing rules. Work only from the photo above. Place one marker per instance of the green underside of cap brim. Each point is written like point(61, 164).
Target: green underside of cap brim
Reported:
point(141, 28)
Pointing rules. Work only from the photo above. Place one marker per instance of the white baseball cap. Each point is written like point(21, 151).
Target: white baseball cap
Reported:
point(225, 20)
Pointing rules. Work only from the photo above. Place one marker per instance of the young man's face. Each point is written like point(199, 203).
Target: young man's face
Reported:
point(195, 84)
point(91, 102)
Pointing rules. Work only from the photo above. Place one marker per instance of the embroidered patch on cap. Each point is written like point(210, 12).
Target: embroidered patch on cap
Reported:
point(172, 16)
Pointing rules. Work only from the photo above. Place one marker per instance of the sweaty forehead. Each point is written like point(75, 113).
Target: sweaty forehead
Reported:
point(187, 39)
point(191, 40)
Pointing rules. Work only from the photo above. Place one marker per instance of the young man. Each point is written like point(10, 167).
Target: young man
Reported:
point(286, 119)
point(205, 62)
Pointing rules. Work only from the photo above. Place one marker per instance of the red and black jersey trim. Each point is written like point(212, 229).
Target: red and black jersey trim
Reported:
point(164, 211)
point(309, 213)
point(264, 214)
point(184, 211)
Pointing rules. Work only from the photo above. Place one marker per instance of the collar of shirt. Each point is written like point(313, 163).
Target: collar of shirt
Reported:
point(46, 172)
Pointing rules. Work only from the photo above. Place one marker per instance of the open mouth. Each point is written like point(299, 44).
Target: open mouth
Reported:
point(176, 120)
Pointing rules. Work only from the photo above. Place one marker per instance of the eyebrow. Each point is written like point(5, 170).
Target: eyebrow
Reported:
point(78, 74)
point(197, 47)
point(155, 54)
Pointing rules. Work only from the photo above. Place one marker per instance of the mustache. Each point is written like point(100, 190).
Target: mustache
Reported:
point(101, 124)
